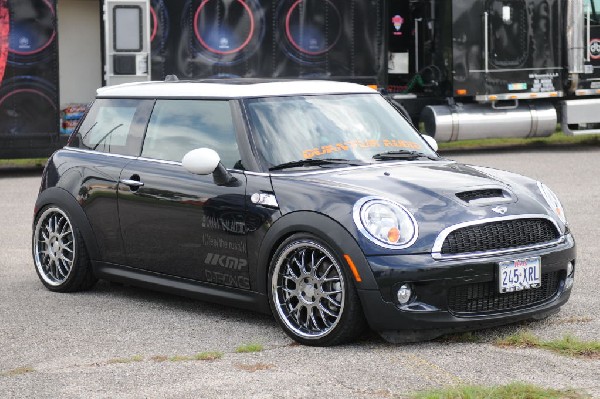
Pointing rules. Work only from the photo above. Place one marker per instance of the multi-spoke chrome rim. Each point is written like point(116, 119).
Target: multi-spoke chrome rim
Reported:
point(54, 246)
point(308, 289)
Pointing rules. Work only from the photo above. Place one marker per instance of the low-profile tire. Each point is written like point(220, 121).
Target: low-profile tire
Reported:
point(59, 254)
point(312, 294)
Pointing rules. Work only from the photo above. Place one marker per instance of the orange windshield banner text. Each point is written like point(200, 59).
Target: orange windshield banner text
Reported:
point(347, 145)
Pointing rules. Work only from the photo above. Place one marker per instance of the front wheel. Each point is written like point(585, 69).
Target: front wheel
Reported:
point(311, 293)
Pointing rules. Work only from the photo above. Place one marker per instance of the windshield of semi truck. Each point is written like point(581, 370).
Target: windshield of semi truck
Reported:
point(363, 128)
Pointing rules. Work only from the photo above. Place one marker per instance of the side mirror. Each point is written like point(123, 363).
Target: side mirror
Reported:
point(204, 161)
point(201, 161)
point(431, 141)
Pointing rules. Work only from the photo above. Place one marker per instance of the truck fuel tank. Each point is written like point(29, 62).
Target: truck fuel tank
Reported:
point(481, 121)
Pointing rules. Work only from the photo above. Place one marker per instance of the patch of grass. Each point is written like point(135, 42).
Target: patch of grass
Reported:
point(159, 358)
point(251, 368)
point(23, 163)
point(125, 360)
point(558, 138)
point(510, 391)
point(198, 356)
point(17, 371)
point(466, 337)
point(208, 356)
point(249, 348)
point(567, 346)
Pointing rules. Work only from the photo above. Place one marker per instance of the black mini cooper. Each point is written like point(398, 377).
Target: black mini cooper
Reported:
point(314, 200)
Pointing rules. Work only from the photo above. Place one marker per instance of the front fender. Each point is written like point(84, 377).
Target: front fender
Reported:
point(321, 226)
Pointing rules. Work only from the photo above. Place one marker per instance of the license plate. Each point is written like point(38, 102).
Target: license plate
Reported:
point(520, 274)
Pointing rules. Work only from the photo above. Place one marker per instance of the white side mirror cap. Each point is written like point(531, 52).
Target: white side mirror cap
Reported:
point(431, 141)
point(201, 161)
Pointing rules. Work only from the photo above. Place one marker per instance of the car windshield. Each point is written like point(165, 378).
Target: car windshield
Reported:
point(353, 127)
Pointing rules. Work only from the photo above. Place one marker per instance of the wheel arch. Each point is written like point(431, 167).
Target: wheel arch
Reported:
point(64, 200)
point(323, 227)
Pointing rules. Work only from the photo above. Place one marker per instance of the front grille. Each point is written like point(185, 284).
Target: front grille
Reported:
point(468, 196)
point(484, 297)
point(499, 235)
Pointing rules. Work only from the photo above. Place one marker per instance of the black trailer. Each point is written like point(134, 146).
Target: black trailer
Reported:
point(494, 68)
point(464, 68)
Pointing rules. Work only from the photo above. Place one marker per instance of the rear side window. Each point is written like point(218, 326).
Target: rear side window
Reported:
point(179, 126)
point(114, 126)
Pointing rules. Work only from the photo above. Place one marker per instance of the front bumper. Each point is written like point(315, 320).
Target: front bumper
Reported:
point(459, 295)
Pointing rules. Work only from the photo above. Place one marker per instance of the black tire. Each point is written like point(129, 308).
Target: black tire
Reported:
point(312, 294)
point(59, 253)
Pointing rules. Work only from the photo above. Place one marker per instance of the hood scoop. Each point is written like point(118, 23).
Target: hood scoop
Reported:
point(484, 196)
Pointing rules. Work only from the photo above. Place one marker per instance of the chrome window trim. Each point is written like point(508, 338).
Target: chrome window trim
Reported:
point(436, 251)
point(266, 174)
point(356, 210)
point(96, 152)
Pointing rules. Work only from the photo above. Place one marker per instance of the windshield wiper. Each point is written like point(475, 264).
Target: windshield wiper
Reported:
point(315, 162)
point(403, 154)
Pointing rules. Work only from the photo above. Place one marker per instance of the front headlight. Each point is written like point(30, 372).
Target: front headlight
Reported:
point(385, 223)
point(553, 201)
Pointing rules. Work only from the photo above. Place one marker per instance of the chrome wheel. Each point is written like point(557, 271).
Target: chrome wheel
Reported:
point(54, 246)
point(308, 289)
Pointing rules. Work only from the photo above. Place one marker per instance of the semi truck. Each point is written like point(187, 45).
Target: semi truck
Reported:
point(457, 68)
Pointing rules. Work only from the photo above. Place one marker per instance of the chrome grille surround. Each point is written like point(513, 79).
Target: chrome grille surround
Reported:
point(436, 251)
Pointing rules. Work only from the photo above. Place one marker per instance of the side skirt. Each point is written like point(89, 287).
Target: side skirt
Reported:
point(184, 287)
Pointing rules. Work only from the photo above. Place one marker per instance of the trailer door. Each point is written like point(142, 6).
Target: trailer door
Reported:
point(126, 41)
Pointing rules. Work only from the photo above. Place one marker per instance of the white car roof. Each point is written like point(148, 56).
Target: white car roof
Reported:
point(230, 88)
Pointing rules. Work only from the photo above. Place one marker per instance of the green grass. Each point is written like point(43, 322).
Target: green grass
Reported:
point(208, 356)
point(17, 371)
point(249, 348)
point(515, 390)
point(23, 163)
point(125, 360)
point(567, 345)
point(557, 138)
point(198, 356)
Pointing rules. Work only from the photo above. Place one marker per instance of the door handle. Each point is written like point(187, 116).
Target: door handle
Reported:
point(132, 183)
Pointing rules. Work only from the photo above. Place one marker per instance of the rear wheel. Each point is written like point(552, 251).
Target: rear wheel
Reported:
point(311, 293)
point(59, 253)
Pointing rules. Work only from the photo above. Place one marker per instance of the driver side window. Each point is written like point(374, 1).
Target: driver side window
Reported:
point(179, 126)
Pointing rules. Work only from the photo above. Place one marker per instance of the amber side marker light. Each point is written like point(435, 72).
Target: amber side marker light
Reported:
point(353, 268)
point(461, 92)
point(374, 87)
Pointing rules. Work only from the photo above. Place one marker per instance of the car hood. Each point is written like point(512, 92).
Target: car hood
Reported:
point(439, 194)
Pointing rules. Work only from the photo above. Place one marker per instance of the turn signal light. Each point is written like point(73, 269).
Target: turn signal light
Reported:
point(394, 235)
point(461, 92)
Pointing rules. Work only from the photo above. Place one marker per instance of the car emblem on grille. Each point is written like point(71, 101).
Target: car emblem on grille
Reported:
point(500, 209)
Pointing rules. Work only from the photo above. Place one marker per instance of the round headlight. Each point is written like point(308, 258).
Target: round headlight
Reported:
point(385, 223)
point(553, 201)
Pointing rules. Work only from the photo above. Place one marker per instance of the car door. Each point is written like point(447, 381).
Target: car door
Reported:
point(174, 222)
point(109, 137)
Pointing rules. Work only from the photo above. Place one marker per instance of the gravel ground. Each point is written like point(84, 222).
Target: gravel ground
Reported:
point(83, 344)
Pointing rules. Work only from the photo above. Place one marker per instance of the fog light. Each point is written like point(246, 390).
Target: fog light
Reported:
point(570, 276)
point(570, 268)
point(404, 294)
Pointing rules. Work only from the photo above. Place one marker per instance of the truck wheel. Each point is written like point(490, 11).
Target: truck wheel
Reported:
point(61, 260)
point(311, 293)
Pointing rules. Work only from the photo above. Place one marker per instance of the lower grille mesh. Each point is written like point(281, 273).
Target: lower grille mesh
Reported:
point(484, 297)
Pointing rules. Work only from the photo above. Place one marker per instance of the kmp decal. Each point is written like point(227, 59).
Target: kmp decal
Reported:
point(595, 49)
point(228, 262)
